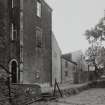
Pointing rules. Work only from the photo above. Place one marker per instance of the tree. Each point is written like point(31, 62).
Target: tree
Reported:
point(100, 59)
point(96, 37)
point(96, 57)
point(91, 54)
point(97, 33)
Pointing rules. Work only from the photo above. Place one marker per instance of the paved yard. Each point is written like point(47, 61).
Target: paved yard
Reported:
point(89, 97)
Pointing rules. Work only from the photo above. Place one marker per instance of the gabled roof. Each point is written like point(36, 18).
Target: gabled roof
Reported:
point(68, 59)
point(45, 2)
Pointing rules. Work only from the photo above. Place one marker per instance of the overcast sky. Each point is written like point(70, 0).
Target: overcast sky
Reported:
point(70, 20)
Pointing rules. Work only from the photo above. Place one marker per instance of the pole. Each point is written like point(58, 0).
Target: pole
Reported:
point(56, 85)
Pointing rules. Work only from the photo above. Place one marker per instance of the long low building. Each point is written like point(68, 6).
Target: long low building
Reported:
point(68, 69)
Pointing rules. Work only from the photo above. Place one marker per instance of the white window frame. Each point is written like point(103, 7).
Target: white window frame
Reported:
point(38, 8)
point(21, 54)
point(12, 32)
point(12, 3)
point(37, 74)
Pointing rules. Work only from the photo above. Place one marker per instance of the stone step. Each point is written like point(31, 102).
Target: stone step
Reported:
point(46, 94)
point(47, 97)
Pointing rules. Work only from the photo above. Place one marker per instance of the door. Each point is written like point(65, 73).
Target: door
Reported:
point(14, 72)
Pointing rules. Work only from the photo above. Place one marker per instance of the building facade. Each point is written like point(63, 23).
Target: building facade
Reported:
point(68, 69)
point(79, 58)
point(82, 72)
point(27, 53)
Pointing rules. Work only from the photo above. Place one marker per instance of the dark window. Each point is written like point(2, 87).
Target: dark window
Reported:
point(73, 67)
point(14, 72)
point(66, 64)
point(38, 38)
point(66, 73)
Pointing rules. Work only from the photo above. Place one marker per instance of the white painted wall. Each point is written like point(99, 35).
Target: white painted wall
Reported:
point(56, 60)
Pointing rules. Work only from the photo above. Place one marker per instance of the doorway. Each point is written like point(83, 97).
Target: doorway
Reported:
point(14, 71)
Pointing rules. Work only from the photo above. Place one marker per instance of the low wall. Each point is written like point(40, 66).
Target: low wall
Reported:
point(23, 93)
point(84, 76)
point(20, 93)
point(72, 91)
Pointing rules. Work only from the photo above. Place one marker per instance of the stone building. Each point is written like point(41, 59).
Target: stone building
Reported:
point(27, 46)
point(68, 68)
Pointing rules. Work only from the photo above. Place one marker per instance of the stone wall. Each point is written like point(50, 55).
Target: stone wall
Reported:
point(84, 76)
point(37, 60)
point(20, 93)
point(4, 33)
point(23, 93)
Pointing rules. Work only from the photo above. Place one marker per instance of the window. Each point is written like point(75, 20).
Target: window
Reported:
point(66, 64)
point(21, 76)
point(12, 3)
point(13, 32)
point(21, 54)
point(38, 38)
point(37, 75)
point(21, 28)
point(38, 9)
point(66, 73)
point(73, 67)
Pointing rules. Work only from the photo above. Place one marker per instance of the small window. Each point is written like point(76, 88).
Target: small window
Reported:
point(21, 74)
point(38, 8)
point(21, 54)
point(38, 38)
point(37, 75)
point(66, 73)
point(66, 64)
point(73, 67)
point(12, 3)
point(13, 33)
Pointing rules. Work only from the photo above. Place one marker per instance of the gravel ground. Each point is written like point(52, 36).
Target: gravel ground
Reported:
point(89, 97)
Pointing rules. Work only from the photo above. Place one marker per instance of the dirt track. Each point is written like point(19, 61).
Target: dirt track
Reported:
point(88, 97)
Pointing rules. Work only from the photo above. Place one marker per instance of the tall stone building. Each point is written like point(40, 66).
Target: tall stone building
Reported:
point(27, 49)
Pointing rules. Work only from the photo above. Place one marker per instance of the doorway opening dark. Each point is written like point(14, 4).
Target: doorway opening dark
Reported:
point(14, 72)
